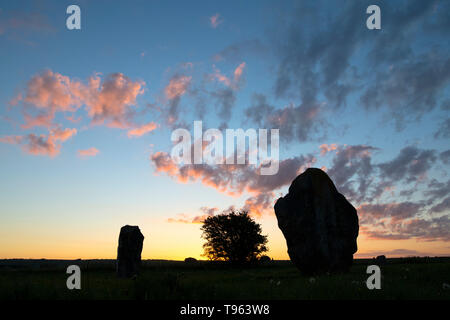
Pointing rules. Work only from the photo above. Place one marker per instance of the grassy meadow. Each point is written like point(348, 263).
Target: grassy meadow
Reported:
point(405, 278)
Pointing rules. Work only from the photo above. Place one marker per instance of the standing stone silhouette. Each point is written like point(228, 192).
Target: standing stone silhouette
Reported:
point(319, 224)
point(129, 251)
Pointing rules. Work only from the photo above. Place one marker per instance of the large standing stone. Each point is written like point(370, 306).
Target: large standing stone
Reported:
point(319, 224)
point(129, 251)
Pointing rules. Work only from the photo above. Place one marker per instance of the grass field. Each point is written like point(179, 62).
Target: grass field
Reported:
point(417, 278)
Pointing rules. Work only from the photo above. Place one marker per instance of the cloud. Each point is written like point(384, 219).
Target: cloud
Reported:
point(91, 152)
point(316, 65)
point(50, 92)
point(177, 86)
point(443, 206)
point(43, 144)
point(238, 72)
point(109, 102)
point(398, 211)
point(445, 156)
point(184, 218)
point(215, 20)
point(444, 130)
point(226, 99)
point(437, 190)
point(40, 120)
point(395, 253)
point(325, 148)
point(412, 164)
point(242, 49)
point(303, 122)
point(310, 59)
point(140, 131)
point(351, 161)
point(233, 179)
point(261, 204)
point(11, 139)
point(62, 134)
point(20, 22)
point(231, 82)
point(411, 88)
point(435, 229)
point(163, 163)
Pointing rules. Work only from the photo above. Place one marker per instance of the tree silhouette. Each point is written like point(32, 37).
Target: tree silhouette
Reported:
point(233, 237)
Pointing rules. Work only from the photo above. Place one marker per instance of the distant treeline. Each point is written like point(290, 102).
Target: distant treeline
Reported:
point(48, 264)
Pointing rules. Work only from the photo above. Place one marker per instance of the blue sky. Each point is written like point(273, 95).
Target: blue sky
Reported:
point(377, 101)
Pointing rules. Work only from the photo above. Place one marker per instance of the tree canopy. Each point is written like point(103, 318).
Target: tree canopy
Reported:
point(233, 237)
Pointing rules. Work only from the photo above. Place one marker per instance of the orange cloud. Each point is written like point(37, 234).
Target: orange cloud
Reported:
point(177, 87)
point(185, 219)
point(260, 204)
point(139, 131)
point(164, 163)
point(234, 180)
point(62, 135)
point(91, 152)
point(232, 83)
point(325, 148)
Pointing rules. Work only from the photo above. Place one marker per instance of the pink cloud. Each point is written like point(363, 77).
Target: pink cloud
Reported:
point(198, 219)
point(234, 180)
point(91, 152)
point(109, 102)
point(14, 22)
point(215, 20)
point(51, 91)
point(41, 120)
point(177, 87)
point(227, 81)
point(73, 119)
point(238, 72)
point(62, 134)
point(260, 204)
point(164, 163)
point(11, 139)
point(41, 144)
point(139, 131)
point(325, 148)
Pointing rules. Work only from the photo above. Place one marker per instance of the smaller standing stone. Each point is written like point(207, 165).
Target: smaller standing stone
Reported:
point(129, 251)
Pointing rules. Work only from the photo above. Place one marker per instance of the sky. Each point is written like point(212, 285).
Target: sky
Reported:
point(86, 119)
